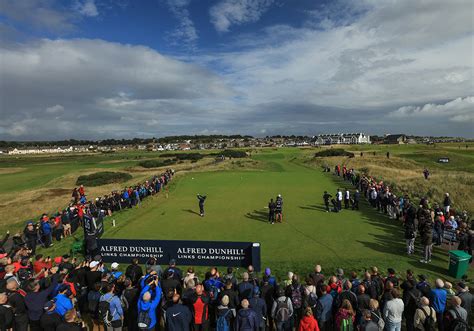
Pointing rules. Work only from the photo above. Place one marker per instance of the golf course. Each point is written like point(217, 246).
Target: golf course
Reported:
point(238, 192)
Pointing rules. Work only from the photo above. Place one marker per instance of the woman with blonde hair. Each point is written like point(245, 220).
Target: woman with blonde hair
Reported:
point(345, 317)
point(308, 322)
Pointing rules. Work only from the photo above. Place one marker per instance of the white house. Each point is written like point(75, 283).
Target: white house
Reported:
point(342, 138)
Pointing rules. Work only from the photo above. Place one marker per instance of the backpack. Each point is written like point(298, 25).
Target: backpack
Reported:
point(296, 296)
point(458, 324)
point(380, 322)
point(144, 320)
point(282, 312)
point(104, 311)
point(429, 324)
point(312, 299)
point(347, 325)
point(246, 324)
point(223, 322)
point(417, 299)
point(93, 299)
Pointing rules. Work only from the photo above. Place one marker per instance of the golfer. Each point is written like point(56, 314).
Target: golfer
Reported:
point(201, 199)
point(271, 211)
point(326, 198)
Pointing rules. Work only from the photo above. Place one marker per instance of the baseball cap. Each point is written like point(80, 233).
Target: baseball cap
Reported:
point(93, 264)
point(268, 272)
point(114, 265)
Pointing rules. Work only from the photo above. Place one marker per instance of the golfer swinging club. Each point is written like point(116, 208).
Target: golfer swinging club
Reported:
point(201, 199)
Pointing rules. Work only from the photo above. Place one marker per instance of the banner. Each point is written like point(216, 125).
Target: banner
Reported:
point(196, 253)
point(449, 235)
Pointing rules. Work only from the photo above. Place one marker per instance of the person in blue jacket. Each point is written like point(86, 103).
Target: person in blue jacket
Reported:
point(46, 231)
point(149, 300)
point(115, 307)
point(178, 316)
point(63, 302)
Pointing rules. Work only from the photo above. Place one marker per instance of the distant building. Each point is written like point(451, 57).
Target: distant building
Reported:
point(342, 138)
point(395, 139)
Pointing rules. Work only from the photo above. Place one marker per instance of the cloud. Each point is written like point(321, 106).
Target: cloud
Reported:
point(186, 31)
point(457, 110)
point(106, 89)
point(237, 12)
point(86, 8)
point(43, 14)
point(55, 109)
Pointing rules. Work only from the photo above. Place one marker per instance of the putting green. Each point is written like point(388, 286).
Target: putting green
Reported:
point(235, 211)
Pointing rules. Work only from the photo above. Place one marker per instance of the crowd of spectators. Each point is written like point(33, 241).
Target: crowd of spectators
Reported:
point(65, 294)
point(57, 226)
point(421, 219)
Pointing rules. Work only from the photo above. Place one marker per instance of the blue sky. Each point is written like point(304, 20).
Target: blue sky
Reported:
point(123, 68)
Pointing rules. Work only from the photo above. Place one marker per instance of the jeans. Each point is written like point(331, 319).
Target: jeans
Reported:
point(391, 326)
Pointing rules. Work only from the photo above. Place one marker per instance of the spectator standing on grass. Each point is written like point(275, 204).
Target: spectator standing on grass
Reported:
point(178, 316)
point(347, 199)
point(446, 204)
point(465, 296)
point(456, 318)
point(426, 173)
point(345, 317)
point(324, 313)
point(148, 301)
point(339, 197)
point(258, 305)
point(425, 226)
point(355, 200)
point(31, 236)
point(282, 312)
point(246, 319)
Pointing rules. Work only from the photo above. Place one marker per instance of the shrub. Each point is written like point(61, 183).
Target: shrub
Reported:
point(334, 152)
point(232, 153)
point(156, 163)
point(184, 156)
point(103, 178)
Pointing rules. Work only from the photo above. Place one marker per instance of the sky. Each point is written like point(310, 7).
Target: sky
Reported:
point(96, 69)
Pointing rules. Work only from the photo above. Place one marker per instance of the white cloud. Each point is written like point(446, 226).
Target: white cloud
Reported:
point(186, 31)
point(87, 8)
point(55, 109)
point(236, 12)
point(457, 110)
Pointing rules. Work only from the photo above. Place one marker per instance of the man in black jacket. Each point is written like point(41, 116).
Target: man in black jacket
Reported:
point(134, 271)
point(6, 313)
point(16, 298)
point(178, 316)
point(50, 319)
point(35, 301)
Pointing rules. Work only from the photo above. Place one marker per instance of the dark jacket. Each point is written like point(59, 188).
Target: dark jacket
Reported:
point(178, 318)
point(50, 321)
point(259, 306)
point(245, 290)
point(35, 302)
point(246, 320)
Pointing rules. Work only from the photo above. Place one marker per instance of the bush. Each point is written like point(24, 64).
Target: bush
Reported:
point(184, 156)
point(103, 178)
point(156, 163)
point(333, 152)
point(232, 153)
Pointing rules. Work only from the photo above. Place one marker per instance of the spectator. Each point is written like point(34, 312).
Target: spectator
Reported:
point(245, 288)
point(423, 312)
point(438, 300)
point(308, 323)
point(259, 306)
point(71, 322)
point(282, 311)
point(50, 320)
point(200, 305)
point(114, 308)
point(465, 296)
point(246, 319)
point(63, 300)
point(178, 316)
point(150, 297)
point(456, 317)
point(393, 312)
point(345, 317)
point(225, 315)
point(367, 323)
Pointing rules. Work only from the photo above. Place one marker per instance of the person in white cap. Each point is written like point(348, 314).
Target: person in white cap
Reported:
point(115, 272)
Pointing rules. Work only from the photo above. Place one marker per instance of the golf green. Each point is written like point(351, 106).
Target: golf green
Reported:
point(236, 211)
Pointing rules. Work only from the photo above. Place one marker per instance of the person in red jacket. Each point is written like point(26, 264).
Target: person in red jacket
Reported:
point(200, 309)
point(308, 322)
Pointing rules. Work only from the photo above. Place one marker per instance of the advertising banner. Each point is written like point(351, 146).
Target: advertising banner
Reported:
point(185, 252)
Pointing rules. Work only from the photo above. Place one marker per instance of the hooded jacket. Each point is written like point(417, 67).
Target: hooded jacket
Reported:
point(178, 318)
point(246, 320)
point(308, 323)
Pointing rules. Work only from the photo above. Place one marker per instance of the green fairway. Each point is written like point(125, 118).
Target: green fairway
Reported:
point(235, 211)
